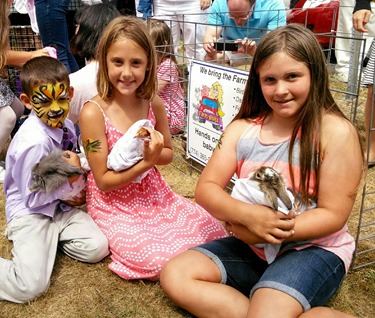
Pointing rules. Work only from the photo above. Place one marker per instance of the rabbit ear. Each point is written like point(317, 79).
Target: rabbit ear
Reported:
point(271, 198)
point(284, 197)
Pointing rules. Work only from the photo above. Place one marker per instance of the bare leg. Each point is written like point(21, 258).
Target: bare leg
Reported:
point(264, 302)
point(370, 131)
point(271, 303)
point(192, 280)
point(325, 312)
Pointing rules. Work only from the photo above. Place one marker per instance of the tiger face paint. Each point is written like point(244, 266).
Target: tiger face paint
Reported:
point(51, 103)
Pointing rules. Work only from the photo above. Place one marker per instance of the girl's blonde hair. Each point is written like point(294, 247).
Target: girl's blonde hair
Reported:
point(4, 33)
point(132, 28)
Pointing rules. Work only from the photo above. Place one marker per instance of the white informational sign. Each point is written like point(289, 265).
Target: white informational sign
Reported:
point(215, 96)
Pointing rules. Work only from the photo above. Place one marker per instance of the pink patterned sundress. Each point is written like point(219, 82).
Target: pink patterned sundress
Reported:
point(147, 223)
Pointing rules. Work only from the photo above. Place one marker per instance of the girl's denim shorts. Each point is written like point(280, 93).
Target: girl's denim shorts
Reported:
point(311, 275)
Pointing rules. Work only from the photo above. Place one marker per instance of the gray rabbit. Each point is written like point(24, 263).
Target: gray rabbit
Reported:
point(272, 184)
point(52, 171)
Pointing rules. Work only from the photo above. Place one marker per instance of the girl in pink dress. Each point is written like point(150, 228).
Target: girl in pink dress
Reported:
point(146, 223)
point(169, 75)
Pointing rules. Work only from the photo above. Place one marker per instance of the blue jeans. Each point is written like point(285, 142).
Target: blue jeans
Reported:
point(311, 276)
point(53, 28)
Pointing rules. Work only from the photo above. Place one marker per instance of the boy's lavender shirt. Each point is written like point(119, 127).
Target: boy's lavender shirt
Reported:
point(33, 141)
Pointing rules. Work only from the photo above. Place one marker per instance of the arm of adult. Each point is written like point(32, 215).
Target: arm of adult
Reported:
point(259, 223)
point(361, 15)
point(211, 35)
point(18, 58)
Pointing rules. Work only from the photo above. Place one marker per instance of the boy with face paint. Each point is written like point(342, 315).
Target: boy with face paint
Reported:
point(39, 223)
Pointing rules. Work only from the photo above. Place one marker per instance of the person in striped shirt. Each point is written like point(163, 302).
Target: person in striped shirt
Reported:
point(169, 75)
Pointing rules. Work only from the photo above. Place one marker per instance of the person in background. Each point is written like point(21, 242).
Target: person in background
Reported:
point(288, 120)
point(186, 19)
point(146, 223)
point(242, 21)
point(53, 29)
point(343, 40)
point(144, 7)
point(11, 108)
point(91, 21)
point(361, 17)
point(169, 75)
point(39, 222)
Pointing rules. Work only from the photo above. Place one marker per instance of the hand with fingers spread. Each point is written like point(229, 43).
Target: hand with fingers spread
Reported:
point(247, 46)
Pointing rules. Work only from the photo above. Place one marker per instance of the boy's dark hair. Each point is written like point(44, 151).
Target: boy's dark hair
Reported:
point(92, 20)
point(42, 69)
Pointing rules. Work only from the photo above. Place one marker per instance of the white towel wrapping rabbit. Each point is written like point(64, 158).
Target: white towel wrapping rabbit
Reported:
point(248, 190)
point(128, 150)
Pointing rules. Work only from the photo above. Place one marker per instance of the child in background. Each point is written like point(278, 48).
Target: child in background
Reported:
point(288, 120)
point(146, 223)
point(169, 75)
point(91, 22)
point(39, 223)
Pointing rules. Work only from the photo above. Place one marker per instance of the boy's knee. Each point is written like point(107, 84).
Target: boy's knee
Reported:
point(97, 250)
point(29, 290)
point(102, 250)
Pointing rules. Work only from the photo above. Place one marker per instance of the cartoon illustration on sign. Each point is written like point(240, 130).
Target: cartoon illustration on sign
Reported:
point(210, 106)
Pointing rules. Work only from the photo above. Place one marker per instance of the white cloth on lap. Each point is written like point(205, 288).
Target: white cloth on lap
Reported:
point(248, 191)
point(128, 150)
point(76, 188)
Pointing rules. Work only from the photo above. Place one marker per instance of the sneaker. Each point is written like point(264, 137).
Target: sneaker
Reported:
point(2, 174)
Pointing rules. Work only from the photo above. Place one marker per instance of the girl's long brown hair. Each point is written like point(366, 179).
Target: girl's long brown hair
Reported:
point(4, 33)
point(299, 43)
point(162, 37)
